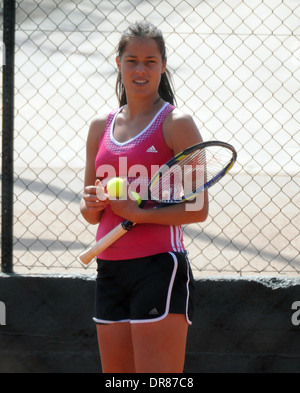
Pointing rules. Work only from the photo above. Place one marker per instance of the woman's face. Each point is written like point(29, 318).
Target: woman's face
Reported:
point(141, 67)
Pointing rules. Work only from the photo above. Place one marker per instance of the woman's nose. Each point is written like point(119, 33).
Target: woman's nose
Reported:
point(140, 68)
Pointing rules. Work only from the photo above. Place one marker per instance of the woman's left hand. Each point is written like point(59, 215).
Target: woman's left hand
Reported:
point(126, 207)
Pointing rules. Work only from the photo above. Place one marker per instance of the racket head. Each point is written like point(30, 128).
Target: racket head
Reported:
point(191, 172)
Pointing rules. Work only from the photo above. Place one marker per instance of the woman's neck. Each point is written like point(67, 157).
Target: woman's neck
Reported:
point(143, 107)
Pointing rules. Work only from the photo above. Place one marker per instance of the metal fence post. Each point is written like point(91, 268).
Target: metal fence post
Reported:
point(8, 136)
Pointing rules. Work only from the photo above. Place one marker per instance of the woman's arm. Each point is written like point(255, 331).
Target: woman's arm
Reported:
point(90, 206)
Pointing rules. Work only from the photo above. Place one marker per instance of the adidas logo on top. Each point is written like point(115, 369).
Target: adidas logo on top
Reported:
point(152, 150)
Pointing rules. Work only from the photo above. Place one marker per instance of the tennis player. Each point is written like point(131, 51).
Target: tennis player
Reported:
point(144, 289)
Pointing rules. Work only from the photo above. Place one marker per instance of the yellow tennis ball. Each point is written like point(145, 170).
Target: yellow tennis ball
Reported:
point(136, 197)
point(115, 187)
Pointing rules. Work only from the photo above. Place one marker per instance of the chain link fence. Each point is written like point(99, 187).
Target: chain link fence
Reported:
point(235, 67)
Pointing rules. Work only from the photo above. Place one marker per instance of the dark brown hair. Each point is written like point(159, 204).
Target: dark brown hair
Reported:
point(145, 30)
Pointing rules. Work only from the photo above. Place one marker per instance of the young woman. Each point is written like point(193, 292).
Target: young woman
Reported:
point(144, 290)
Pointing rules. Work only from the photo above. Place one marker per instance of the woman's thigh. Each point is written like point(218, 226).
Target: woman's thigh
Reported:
point(115, 346)
point(159, 347)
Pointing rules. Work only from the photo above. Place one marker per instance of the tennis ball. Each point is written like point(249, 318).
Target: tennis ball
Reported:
point(136, 197)
point(115, 187)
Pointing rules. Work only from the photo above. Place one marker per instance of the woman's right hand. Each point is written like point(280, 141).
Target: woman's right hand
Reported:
point(94, 201)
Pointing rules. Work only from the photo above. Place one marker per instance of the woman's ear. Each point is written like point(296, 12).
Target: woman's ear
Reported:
point(118, 61)
point(164, 66)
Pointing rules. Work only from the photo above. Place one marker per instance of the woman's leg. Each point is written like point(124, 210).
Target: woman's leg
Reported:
point(159, 347)
point(116, 350)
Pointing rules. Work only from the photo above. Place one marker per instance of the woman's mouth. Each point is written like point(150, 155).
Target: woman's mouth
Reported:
point(140, 82)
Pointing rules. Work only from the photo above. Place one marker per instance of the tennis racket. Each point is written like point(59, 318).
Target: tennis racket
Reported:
point(181, 179)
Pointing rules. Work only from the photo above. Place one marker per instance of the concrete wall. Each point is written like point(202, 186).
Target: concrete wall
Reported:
point(241, 325)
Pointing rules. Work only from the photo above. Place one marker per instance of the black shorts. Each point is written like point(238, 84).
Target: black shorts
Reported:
point(144, 289)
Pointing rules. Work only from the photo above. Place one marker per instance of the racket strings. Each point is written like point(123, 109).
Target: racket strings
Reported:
point(188, 174)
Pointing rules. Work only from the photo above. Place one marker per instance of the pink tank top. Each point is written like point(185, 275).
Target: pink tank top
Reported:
point(147, 151)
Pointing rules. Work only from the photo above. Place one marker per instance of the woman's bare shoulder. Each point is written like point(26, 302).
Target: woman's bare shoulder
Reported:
point(180, 131)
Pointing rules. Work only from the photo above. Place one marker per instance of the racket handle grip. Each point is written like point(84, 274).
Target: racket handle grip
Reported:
point(102, 244)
